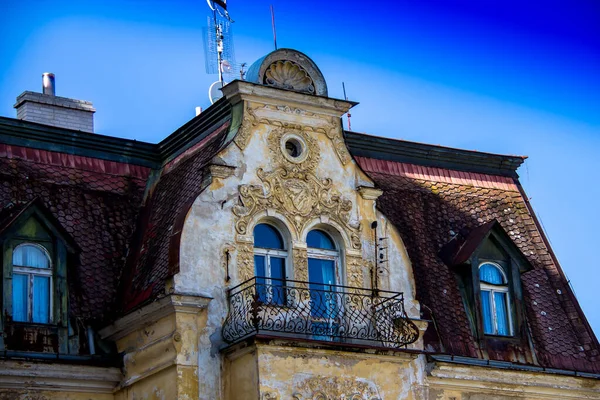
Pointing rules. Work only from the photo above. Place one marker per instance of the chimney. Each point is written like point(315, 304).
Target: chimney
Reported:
point(48, 109)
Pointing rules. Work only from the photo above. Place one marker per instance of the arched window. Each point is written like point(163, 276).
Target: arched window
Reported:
point(323, 260)
point(270, 257)
point(495, 300)
point(32, 284)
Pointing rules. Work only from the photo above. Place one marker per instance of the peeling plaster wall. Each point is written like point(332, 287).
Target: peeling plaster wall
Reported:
point(461, 382)
point(209, 229)
point(286, 372)
point(31, 394)
point(161, 357)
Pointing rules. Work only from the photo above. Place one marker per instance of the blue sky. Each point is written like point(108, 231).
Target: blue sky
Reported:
point(516, 78)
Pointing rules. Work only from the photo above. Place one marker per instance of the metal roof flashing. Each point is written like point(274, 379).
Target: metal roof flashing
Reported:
point(364, 145)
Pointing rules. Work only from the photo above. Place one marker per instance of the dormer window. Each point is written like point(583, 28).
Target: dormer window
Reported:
point(36, 250)
point(495, 300)
point(32, 284)
point(488, 267)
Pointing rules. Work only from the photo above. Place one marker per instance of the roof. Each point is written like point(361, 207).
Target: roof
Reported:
point(403, 151)
point(94, 200)
point(156, 255)
point(428, 205)
point(458, 250)
point(97, 186)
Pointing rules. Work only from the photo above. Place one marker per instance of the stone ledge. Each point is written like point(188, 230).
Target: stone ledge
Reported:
point(502, 382)
point(58, 377)
point(146, 315)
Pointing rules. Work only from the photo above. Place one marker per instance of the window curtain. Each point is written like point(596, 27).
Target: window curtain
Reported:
point(278, 281)
point(486, 311)
point(20, 297)
point(41, 299)
point(489, 273)
point(260, 273)
point(500, 300)
point(30, 256)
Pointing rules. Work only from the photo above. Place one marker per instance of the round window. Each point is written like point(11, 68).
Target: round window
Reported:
point(294, 148)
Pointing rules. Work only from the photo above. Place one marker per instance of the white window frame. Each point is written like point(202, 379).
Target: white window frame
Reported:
point(31, 272)
point(268, 253)
point(322, 254)
point(492, 289)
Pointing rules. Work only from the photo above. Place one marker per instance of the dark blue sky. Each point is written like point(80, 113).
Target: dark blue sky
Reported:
point(517, 77)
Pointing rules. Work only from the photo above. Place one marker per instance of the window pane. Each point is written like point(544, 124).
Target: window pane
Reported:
point(41, 299)
point(486, 311)
point(278, 281)
point(20, 297)
point(319, 240)
point(321, 274)
point(490, 273)
point(500, 300)
point(259, 266)
point(28, 255)
point(260, 272)
point(321, 271)
point(267, 237)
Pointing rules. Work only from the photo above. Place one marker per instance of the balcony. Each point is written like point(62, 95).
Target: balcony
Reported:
point(314, 311)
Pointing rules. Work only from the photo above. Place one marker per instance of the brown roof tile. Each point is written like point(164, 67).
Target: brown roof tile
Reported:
point(95, 201)
point(181, 182)
point(426, 208)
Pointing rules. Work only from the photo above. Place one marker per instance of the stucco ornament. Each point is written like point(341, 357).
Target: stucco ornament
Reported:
point(336, 388)
point(300, 257)
point(294, 190)
point(355, 272)
point(287, 74)
point(255, 114)
point(249, 122)
point(245, 260)
point(273, 395)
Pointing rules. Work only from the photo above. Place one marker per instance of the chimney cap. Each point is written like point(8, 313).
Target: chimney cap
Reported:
point(48, 86)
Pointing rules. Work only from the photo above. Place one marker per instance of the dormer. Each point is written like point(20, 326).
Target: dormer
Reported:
point(35, 251)
point(489, 266)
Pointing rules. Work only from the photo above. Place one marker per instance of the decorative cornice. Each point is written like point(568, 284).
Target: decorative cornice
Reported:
point(502, 381)
point(153, 312)
point(58, 378)
point(240, 90)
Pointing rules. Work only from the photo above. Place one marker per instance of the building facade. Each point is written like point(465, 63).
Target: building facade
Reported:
point(262, 252)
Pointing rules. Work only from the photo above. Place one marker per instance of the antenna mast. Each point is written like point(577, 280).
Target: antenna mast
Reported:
point(273, 26)
point(218, 46)
point(348, 113)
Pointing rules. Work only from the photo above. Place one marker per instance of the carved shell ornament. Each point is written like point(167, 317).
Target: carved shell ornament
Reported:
point(286, 74)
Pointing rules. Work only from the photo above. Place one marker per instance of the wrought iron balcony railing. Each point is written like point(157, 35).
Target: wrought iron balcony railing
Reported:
point(319, 312)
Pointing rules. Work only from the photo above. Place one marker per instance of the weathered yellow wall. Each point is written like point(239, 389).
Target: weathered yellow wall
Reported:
point(462, 382)
point(161, 359)
point(159, 386)
point(241, 376)
point(284, 371)
point(17, 394)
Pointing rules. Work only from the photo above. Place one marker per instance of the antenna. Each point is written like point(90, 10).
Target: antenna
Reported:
point(348, 114)
point(219, 53)
point(214, 92)
point(273, 26)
